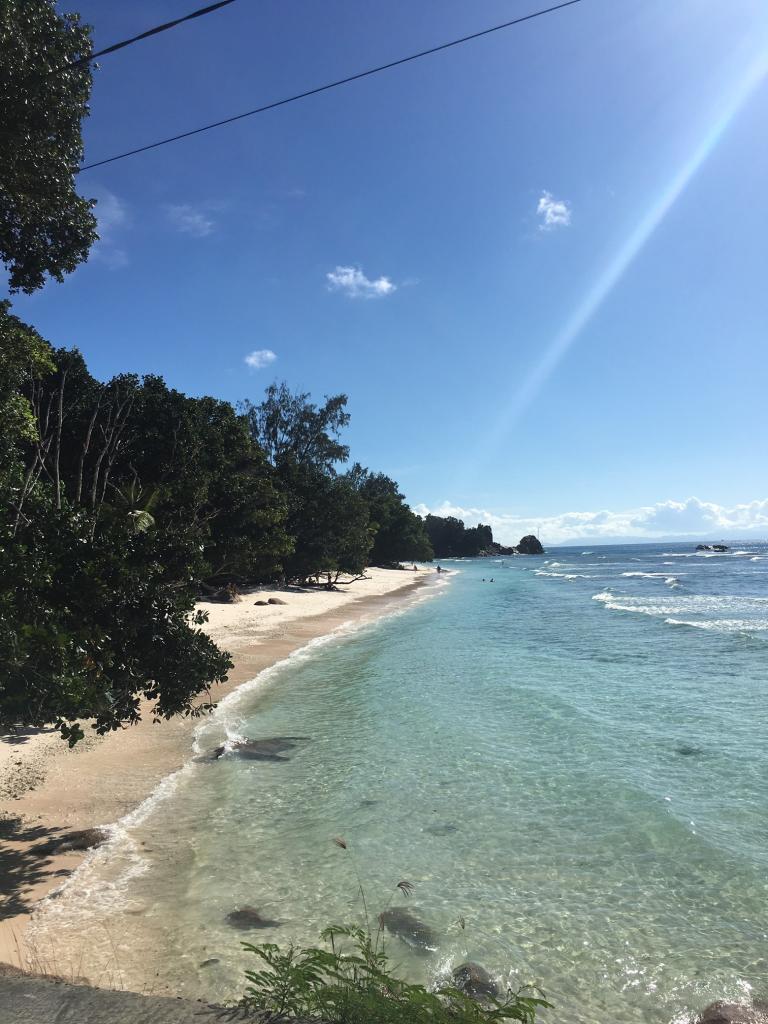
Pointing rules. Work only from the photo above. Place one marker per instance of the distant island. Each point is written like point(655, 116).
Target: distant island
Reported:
point(450, 538)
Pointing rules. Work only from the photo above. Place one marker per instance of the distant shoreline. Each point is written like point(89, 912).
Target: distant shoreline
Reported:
point(48, 791)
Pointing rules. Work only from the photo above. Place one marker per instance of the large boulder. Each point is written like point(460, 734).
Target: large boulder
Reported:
point(473, 980)
point(734, 1013)
point(529, 545)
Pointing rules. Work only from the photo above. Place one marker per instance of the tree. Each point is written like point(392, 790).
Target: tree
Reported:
point(46, 228)
point(292, 429)
point(451, 539)
point(398, 533)
point(117, 499)
point(328, 521)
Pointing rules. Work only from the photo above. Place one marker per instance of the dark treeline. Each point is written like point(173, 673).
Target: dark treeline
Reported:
point(121, 502)
point(450, 538)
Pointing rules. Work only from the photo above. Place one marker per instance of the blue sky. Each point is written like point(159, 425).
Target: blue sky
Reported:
point(536, 263)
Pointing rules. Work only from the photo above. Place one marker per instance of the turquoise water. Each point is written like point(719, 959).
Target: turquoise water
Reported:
point(572, 759)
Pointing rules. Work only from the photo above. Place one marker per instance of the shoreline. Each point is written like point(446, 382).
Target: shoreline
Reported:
point(48, 791)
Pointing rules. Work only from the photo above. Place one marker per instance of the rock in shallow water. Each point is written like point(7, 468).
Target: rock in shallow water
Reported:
point(734, 1013)
point(474, 981)
point(403, 924)
point(248, 917)
point(260, 750)
point(442, 828)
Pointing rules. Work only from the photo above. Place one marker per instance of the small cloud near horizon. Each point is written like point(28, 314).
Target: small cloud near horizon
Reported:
point(554, 213)
point(260, 358)
point(355, 285)
point(691, 518)
point(189, 220)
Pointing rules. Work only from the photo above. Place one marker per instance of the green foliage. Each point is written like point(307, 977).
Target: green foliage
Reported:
point(46, 228)
point(293, 431)
point(327, 520)
point(91, 623)
point(398, 533)
point(351, 986)
point(450, 538)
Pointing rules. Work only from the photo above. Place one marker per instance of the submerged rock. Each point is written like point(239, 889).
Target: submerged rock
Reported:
point(443, 828)
point(686, 750)
point(474, 981)
point(249, 917)
point(734, 1013)
point(85, 839)
point(270, 749)
point(405, 926)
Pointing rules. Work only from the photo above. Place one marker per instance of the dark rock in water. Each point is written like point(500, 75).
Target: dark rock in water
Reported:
point(685, 750)
point(529, 545)
point(369, 803)
point(210, 962)
point(734, 1013)
point(443, 828)
point(712, 547)
point(276, 600)
point(402, 923)
point(474, 981)
point(249, 917)
point(86, 839)
point(260, 750)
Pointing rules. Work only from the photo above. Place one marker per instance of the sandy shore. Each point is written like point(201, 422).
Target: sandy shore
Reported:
point(47, 791)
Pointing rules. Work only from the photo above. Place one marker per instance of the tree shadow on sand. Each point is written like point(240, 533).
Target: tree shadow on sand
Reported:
point(24, 867)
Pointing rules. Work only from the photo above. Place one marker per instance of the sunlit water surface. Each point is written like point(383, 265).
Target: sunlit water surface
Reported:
point(570, 760)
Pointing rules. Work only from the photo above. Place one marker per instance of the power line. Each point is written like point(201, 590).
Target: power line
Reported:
point(143, 35)
point(329, 85)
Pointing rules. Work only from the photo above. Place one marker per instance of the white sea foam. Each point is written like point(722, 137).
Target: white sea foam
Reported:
point(650, 575)
point(723, 625)
point(563, 575)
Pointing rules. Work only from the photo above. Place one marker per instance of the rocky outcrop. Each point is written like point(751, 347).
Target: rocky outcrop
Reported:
point(734, 1013)
point(474, 981)
point(712, 547)
point(84, 839)
point(529, 545)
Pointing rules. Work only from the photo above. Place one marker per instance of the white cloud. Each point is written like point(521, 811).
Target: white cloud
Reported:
point(112, 217)
point(260, 358)
point(190, 221)
point(691, 518)
point(353, 282)
point(554, 213)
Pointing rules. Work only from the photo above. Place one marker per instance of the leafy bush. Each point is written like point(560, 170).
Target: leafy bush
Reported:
point(357, 987)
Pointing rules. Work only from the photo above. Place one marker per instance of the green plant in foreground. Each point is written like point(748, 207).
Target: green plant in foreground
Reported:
point(357, 987)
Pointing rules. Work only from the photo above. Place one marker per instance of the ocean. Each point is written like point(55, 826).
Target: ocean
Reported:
point(569, 764)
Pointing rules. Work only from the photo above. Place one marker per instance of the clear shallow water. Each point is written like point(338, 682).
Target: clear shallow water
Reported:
point(572, 759)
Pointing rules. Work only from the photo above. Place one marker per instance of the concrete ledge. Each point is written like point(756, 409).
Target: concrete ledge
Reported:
point(30, 1000)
